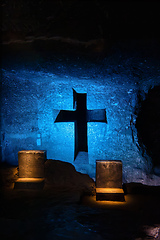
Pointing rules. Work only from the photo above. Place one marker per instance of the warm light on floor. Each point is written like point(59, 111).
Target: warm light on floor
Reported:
point(30, 180)
point(29, 183)
point(129, 203)
point(108, 202)
point(109, 190)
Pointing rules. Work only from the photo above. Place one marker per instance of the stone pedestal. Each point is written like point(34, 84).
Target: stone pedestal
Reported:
point(31, 169)
point(109, 180)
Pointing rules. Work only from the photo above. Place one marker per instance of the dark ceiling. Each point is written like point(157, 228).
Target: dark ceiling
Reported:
point(83, 20)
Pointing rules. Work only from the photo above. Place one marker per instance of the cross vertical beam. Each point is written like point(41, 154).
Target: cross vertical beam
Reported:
point(80, 117)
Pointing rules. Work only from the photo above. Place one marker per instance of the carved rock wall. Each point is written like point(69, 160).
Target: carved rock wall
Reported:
point(37, 84)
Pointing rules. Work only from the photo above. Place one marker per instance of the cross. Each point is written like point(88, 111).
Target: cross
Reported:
point(80, 117)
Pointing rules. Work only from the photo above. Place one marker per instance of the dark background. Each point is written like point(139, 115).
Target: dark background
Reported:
point(83, 20)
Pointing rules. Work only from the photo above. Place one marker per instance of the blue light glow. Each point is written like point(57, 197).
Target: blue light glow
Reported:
point(32, 100)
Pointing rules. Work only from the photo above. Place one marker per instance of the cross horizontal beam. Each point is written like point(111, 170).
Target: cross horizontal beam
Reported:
point(80, 117)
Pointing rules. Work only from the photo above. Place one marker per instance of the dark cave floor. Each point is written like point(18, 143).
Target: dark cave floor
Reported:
point(62, 213)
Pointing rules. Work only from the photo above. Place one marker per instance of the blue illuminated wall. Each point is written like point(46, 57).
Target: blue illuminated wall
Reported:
point(32, 99)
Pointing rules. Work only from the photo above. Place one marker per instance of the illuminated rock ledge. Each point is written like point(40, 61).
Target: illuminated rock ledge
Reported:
point(29, 183)
point(110, 194)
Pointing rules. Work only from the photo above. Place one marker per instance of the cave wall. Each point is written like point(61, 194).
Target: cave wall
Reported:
point(34, 92)
point(108, 50)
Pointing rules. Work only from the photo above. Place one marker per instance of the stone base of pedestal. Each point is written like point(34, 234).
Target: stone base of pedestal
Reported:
point(110, 194)
point(29, 183)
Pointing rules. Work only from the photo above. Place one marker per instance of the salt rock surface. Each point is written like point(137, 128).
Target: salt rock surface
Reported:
point(59, 174)
point(8, 176)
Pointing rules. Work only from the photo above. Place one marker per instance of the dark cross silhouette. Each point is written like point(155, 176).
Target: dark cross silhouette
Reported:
point(80, 117)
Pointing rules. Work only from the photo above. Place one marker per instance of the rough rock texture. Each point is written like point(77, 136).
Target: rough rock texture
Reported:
point(8, 175)
point(109, 51)
point(63, 175)
point(59, 177)
point(148, 125)
point(59, 212)
point(36, 85)
point(74, 19)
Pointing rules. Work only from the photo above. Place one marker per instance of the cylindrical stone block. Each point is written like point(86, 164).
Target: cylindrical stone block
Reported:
point(108, 174)
point(31, 163)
